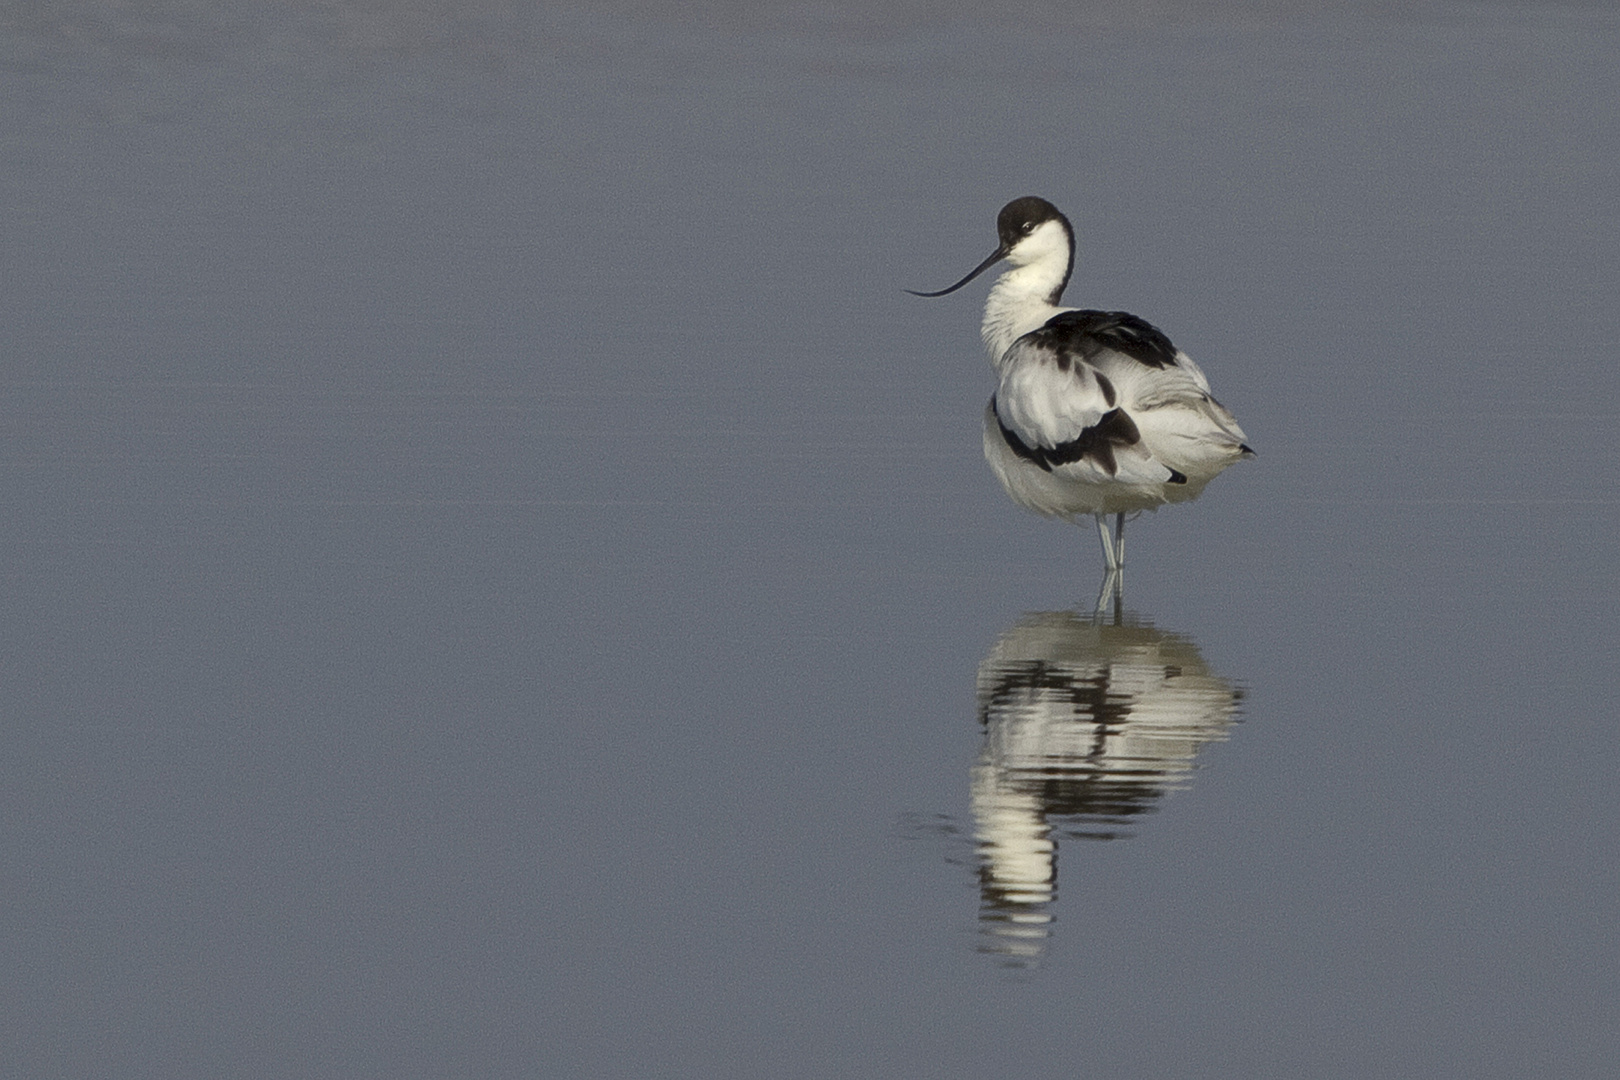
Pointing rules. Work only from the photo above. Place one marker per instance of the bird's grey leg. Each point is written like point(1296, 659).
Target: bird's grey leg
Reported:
point(1113, 588)
point(1107, 543)
point(1119, 540)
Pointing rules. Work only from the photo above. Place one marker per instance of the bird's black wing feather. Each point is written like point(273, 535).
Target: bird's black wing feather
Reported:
point(1088, 333)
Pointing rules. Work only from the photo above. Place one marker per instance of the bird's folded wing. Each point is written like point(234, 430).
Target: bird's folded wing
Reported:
point(1063, 415)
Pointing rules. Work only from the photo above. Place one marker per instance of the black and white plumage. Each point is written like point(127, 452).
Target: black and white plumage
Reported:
point(1095, 412)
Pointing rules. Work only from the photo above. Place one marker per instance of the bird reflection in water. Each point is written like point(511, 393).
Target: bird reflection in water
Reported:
point(1086, 726)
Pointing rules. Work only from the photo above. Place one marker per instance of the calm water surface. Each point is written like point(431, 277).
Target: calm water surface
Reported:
point(499, 579)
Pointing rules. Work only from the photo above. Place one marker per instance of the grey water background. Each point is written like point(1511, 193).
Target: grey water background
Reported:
point(495, 569)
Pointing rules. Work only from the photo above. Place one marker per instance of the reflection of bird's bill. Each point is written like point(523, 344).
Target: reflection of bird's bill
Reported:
point(1084, 722)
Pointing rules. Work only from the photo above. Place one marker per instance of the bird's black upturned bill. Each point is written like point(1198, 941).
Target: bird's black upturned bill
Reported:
point(995, 257)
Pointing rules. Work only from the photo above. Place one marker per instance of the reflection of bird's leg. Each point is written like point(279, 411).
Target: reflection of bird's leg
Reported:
point(1109, 557)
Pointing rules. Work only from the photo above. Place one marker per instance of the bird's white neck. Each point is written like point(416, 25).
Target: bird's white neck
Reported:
point(1020, 301)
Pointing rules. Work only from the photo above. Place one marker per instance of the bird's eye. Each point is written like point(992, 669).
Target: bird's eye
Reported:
point(1029, 227)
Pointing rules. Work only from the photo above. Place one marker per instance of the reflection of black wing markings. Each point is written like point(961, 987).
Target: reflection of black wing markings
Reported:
point(1098, 722)
point(1025, 681)
point(1076, 785)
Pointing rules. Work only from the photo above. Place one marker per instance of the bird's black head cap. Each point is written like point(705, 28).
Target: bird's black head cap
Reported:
point(1022, 216)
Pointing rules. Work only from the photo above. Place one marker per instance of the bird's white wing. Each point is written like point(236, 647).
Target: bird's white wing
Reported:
point(1047, 397)
point(1062, 413)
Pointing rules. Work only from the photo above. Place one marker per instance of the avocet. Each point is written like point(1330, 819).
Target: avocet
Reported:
point(1095, 412)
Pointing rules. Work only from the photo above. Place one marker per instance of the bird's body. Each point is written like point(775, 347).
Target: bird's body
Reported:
point(1095, 412)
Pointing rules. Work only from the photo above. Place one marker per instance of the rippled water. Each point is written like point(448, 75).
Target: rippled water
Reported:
point(501, 580)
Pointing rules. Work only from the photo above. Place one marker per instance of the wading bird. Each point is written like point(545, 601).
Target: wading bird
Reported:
point(1095, 412)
